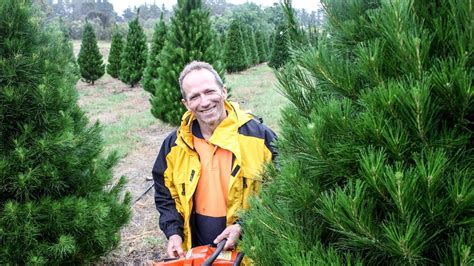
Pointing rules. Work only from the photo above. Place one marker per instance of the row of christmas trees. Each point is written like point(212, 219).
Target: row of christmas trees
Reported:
point(127, 60)
point(131, 62)
point(242, 48)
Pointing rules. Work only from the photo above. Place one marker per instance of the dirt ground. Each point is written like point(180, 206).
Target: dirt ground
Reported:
point(142, 241)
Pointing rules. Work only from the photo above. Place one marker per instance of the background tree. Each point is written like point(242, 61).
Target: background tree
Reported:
point(280, 48)
point(253, 45)
point(90, 61)
point(376, 155)
point(128, 14)
point(134, 57)
point(222, 37)
point(190, 38)
point(234, 51)
point(260, 42)
point(247, 43)
point(57, 202)
point(296, 35)
point(274, 14)
point(69, 48)
point(271, 42)
point(116, 48)
point(216, 7)
point(151, 71)
point(247, 13)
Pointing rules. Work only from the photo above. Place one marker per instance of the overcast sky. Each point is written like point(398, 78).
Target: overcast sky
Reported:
point(120, 5)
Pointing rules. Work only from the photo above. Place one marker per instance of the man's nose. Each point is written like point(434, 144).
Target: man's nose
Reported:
point(205, 100)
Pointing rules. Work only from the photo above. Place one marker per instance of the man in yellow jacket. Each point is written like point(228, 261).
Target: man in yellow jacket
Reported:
point(209, 166)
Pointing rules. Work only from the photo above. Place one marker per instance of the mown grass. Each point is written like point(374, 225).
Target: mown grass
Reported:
point(120, 136)
point(120, 120)
point(102, 104)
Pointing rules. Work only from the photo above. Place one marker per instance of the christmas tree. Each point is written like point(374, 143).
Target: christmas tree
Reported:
point(69, 48)
point(234, 51)
point(90, 61)
point(245, 29)
point(116, 48)
point(189, 38)
point(134, 55)
point(376, 148)
point(252, 45)
point(58, 204)
point(222, 37)
point(280, 48)
point(260, 41)
point(151, 71)
point(270, 43)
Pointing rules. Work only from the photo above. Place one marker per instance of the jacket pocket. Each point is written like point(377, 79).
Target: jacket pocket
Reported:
point(180, 184)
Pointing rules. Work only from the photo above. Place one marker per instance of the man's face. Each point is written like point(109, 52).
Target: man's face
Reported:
point(204, 98)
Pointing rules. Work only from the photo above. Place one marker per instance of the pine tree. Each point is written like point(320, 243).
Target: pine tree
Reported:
point(296, 35)
point(116, 48)
point(151, 71)
point(247, 43)
point(261, 47)
point(253, 46)
point(90, 60)
point(189, 38)
point(57, 202)
point(280, 53)
point(222, 37)
point(270, 44)
point(313, 36)
point(234, 52)
point(69, 49)
point(376, 148)
point(134, 56)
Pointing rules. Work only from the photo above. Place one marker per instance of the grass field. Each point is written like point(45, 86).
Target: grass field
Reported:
point(131, 130)
point(255, 90)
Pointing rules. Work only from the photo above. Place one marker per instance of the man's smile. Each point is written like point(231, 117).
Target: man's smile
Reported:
point(209, 110)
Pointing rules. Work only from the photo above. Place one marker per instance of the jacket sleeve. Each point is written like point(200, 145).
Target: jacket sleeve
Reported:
point(171, 221)
point(270, 142)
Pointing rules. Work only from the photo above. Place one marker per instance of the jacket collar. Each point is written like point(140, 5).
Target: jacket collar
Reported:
point(225, 135)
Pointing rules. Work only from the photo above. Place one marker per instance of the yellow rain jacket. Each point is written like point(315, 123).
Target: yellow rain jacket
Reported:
point(176, 171)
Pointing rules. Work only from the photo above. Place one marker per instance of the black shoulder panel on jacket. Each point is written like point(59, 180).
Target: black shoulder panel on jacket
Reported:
point(254, 128)
point(170, 141)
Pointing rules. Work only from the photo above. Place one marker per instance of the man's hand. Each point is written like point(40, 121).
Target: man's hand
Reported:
point(232, 233)
point(174, 247)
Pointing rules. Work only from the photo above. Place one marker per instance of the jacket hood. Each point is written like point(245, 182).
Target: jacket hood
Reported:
point(225, 135)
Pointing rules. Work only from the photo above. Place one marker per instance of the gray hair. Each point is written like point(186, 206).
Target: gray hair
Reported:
point(198, 65)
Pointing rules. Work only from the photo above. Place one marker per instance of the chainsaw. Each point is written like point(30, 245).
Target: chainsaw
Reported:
point(206, 256)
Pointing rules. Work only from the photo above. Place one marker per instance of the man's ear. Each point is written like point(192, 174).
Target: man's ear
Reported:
point(224, 89)
point(185, 104)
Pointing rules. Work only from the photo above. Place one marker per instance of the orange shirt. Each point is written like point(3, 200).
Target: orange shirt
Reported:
point(211, 192)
